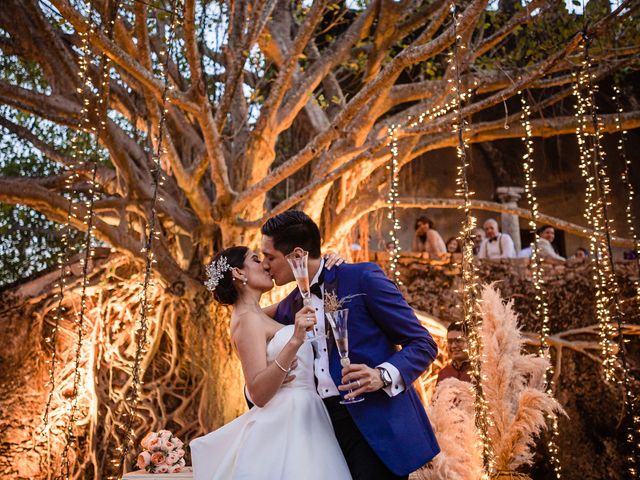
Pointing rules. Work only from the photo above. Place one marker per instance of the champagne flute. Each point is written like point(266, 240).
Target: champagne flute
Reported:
point(298, 261)
point(338, 321)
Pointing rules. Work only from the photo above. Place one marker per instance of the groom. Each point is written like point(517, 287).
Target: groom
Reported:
point(388, 435)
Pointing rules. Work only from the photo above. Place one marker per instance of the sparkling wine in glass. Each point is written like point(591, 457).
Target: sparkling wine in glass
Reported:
point(298, 261)
point(338, 321)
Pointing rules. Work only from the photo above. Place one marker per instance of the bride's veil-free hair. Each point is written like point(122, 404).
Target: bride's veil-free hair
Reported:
point(226, 292)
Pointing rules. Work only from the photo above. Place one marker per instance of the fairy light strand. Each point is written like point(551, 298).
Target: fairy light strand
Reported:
point(64, 254)
point(596, 193)
point(81, 155)
point(151, 234)
point(537, 272)
point(631, 404)
point(392, 202)
point(470, 283)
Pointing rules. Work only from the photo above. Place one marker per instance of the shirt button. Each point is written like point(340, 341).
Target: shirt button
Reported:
point(326, 390)
point(325, 349)
point(317, 309)
point(397, 387)
point(322, 369)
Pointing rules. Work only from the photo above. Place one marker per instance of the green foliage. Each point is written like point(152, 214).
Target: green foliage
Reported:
point(29, 242)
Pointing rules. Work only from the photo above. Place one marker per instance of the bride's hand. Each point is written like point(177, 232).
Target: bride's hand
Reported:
point(332, 259)
point(305, 320)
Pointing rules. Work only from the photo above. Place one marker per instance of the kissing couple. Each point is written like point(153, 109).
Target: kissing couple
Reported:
point(297, 428)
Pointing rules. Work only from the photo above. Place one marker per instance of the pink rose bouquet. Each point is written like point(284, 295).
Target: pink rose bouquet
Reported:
point(163, 453)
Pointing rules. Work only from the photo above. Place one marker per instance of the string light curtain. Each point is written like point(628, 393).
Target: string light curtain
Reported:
point(470, 283)
point(540, 290)
point(82, 154)
point(151, 234)
point(598, 189)
point(631, 402)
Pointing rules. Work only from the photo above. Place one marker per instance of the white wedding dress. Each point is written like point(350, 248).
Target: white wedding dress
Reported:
point(291, 437)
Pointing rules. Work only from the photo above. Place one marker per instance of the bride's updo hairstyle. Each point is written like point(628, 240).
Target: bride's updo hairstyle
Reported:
point(219, 276)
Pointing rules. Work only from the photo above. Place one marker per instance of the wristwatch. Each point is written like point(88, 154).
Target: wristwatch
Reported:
point(385, 376)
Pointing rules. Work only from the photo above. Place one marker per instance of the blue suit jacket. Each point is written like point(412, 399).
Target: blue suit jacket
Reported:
point(396, 428)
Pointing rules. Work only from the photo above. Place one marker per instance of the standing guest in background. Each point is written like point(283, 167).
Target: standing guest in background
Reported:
point(453, 245)
point(390, 246)
point(427, 239)
point(547, 234)
point(458, 349)
point(580, 254)
point(478, 237)
point(496, 245)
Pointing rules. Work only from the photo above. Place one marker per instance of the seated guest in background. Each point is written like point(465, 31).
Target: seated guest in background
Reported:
point(458, 349)
point(478, 237)
point(546, 234)
point(496, 245)
point(390, 246)
point(454, 245)
point(427, 239)
point(580, 254)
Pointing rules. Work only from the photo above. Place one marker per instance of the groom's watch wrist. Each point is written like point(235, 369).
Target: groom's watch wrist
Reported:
point(385, 377)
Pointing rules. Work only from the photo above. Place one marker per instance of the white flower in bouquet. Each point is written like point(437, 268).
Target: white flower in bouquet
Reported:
point(144, 459)
point(165, 444)
point(172, 458)
point(166, 434)
point(178, 443)
point(162, 469)
point(175, 468)
point(180, 452)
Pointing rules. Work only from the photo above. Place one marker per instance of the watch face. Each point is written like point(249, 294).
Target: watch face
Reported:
point(386, 377)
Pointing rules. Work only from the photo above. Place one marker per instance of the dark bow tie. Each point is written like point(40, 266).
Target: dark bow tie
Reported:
point(315, 288)
point(493, 239)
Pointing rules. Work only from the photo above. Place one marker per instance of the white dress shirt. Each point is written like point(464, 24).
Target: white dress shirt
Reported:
point(501, 247)
point(326, 386)
point(546, 250)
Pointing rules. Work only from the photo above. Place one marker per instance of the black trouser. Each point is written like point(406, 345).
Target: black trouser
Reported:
point(363, 463)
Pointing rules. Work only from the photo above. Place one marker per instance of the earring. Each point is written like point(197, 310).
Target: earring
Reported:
point(244, 282)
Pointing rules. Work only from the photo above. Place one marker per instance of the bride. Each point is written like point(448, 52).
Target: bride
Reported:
point(289, 435)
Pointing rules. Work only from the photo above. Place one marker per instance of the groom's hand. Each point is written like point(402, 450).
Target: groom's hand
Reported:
point(360, 378)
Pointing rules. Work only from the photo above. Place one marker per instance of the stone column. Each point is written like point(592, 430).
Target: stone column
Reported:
point(510, 223)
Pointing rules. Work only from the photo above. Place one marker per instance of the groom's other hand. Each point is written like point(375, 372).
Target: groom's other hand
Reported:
point(360, 378)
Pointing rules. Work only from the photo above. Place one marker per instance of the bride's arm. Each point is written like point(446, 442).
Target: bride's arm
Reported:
point(263, 381)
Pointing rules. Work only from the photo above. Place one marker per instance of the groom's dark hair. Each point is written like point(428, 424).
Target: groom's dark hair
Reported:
point(292, 229)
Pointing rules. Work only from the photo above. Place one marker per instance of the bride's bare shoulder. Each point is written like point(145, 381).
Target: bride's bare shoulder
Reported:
point(248, 324)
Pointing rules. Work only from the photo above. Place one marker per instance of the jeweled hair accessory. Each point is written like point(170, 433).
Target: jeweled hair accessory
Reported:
point(215, 272)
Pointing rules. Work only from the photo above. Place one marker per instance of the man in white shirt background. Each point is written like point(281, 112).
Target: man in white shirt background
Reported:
point(497, 244)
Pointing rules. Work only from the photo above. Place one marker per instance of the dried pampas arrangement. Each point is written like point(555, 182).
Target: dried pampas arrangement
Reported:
point(451, 416)
point(513, 385)
point(514, 388)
